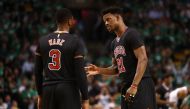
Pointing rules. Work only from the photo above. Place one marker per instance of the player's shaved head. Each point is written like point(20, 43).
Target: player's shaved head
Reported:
point(63, 15)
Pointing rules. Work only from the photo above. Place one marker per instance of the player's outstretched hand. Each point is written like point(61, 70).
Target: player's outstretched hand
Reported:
point(92, 70)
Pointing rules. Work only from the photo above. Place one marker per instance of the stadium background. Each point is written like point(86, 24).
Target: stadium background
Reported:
point(164, 25)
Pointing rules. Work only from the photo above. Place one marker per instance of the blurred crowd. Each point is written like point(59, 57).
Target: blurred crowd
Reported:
point(164, 25)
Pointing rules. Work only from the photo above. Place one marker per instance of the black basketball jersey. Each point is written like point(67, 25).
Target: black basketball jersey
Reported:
point(123, 53)
point(58, 51)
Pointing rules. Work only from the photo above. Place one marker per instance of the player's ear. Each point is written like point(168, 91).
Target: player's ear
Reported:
point(71, 22)
point(117, 16)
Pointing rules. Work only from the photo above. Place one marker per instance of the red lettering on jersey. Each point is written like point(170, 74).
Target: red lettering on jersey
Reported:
point(119, 50)
point(120, 65)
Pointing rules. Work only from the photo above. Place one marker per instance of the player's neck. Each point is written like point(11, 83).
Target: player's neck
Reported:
point(121, 30)
point(62, 29)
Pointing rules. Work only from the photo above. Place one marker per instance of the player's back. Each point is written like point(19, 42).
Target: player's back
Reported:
point(58, 51)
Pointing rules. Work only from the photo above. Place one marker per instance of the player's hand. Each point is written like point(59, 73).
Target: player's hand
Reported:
point(130, 94)
point(85, 104)
point(39, 104)
point(92, 70)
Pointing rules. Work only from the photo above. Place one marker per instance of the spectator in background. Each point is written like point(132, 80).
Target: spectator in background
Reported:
point(162, 92)
point(22, 86)
point(14, 105)
point(113, 88)
point(2, 104)
point(180, 71)
point(8, 101)
point(176, 96)
point(28, 67)
point(94, 90)
point(104, 96)
point(111, 104)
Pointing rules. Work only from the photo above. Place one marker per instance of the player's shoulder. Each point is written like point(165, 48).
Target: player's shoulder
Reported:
point(42, 38)
point(75, 37)
point(132, 31)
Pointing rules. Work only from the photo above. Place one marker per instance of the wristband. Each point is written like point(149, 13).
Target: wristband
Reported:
point(134, 86)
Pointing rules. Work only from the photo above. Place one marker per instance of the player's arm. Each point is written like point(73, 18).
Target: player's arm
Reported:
point(38, 76)
point(141, 56)
point(81, 80)
point(81, 76)
point(38, 71)
point(112, 70)
point(93, 70)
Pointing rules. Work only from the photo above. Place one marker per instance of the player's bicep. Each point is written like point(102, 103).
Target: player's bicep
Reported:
point(135, 40)
point(140, 52)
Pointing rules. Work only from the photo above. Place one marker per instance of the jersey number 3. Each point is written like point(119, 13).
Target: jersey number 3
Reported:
point(55, 55)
